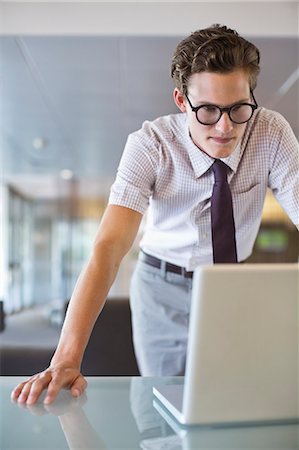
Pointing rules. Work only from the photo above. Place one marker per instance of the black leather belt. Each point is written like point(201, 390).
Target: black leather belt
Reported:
point(156, 262)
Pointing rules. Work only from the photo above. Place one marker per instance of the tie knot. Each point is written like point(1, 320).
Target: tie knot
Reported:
point(220, 170)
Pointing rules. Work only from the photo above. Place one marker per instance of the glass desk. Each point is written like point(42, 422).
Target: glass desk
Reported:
point(119, 413)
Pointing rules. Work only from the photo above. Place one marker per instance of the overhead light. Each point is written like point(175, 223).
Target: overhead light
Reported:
point(39, 143)
point(66, 174)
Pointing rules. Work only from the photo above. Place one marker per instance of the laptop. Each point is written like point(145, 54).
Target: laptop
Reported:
point(242, 358)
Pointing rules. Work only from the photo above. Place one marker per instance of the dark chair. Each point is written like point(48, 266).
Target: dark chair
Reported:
point(109, 351)
point(23, 361)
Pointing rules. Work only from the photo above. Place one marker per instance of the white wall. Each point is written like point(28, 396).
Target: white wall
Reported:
point(267, 18)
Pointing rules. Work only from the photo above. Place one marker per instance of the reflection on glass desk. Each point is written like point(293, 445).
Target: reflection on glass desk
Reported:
point(119, 413)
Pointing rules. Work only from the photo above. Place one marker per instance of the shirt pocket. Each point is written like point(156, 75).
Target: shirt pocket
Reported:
point(248, 205)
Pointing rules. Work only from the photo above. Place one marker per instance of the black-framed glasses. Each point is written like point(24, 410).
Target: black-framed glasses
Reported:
point(209, 114)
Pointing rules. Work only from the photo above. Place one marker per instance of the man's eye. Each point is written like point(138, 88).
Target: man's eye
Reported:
point(209, 108)
point(237, 107)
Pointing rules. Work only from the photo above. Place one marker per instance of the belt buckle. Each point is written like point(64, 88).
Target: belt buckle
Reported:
point(184, 272)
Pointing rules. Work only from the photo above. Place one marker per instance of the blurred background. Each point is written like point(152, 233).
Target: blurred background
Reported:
point(75, 79)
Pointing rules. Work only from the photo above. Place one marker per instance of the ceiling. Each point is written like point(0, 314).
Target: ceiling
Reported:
point(83, 94)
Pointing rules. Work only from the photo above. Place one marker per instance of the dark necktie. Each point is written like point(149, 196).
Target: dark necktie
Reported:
point(222, 218)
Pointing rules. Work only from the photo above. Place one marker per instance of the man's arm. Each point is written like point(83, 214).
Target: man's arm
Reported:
point(114, 238)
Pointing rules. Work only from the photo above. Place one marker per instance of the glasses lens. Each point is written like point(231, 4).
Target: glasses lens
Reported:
point(241, 113)
point(208, 114)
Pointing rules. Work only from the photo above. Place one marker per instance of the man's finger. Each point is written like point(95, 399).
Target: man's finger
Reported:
point(56, 384)
point(22, 398)
point(18, 389)
point(78, 386)
point(37, 387)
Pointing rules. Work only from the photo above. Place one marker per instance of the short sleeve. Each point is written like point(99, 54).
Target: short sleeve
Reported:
point(136, 173)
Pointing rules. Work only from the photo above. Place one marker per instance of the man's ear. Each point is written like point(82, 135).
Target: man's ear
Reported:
point(179, 100)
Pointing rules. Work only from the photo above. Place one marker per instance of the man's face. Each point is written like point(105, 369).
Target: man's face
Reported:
point(218, 140)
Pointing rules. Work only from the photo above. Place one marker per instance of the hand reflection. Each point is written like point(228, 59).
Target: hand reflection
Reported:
point(76, 427)
point(64, 404)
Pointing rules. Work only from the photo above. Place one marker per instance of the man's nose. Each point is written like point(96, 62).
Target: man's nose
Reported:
point(224, 124)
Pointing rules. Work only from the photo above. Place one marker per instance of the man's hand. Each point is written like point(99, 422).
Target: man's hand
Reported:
point(53, 379)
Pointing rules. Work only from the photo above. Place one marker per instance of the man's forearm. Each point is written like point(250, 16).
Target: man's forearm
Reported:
point(114, 238)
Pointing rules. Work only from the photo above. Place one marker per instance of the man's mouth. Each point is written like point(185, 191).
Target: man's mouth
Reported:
point(220, 140)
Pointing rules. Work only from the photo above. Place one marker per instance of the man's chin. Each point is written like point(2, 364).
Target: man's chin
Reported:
point(219, 152)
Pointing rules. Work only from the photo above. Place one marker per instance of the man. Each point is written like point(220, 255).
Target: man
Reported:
point(170, 166)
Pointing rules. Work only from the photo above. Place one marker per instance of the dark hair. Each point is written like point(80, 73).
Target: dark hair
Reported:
point(214, 49)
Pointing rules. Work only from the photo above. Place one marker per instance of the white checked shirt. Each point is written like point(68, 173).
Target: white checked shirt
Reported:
point(162, 168)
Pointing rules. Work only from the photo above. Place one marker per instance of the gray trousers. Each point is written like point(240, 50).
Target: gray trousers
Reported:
point(160, 304)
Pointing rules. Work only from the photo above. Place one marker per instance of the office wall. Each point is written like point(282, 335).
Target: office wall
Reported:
point(266, 18)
